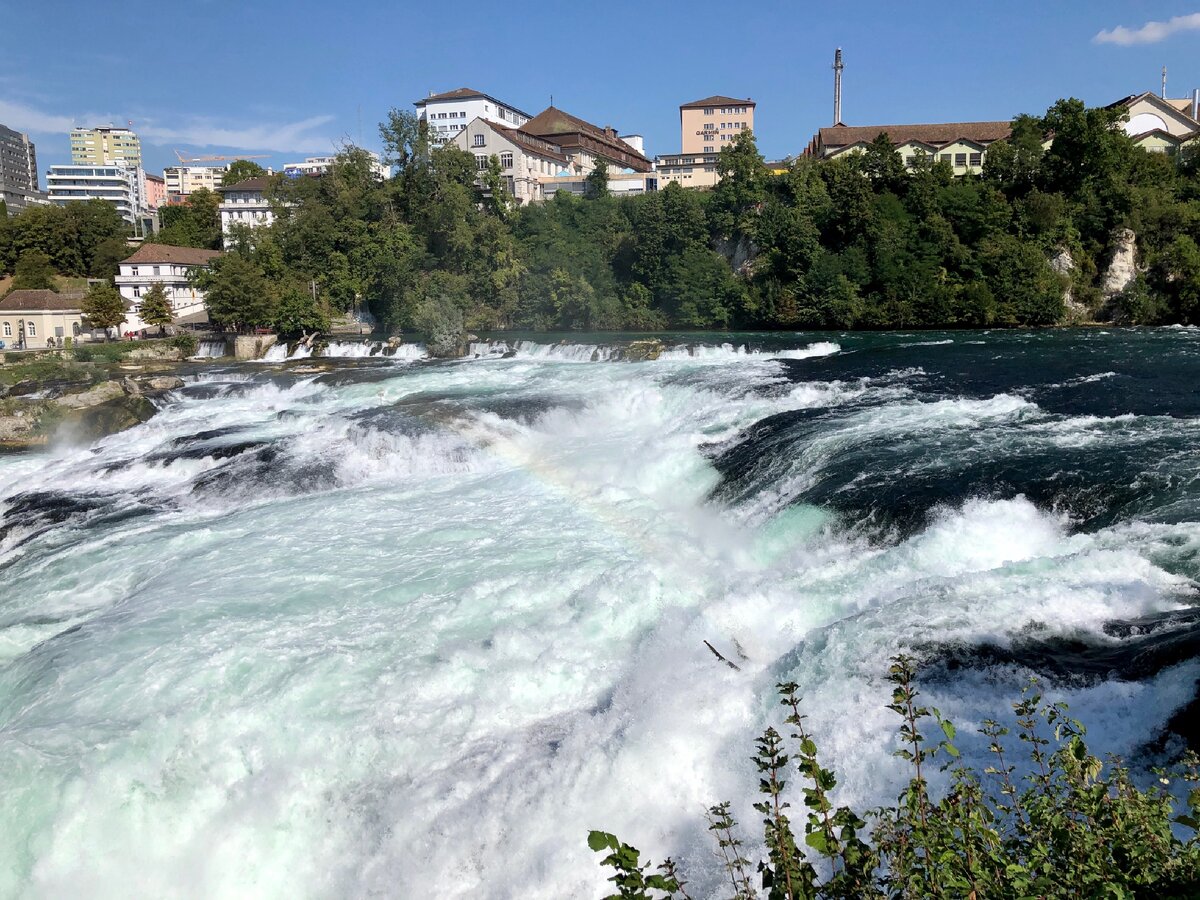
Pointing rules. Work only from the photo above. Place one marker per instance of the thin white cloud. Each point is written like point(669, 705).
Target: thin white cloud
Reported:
point(1150, 33)
point(281, 137)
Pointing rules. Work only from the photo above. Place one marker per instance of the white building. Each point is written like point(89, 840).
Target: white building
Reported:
point(524, 159)
point(183, 180)
point(451, 112)
point(173, 268)
point(124, 188)
point(245, 203)
point(320, 165)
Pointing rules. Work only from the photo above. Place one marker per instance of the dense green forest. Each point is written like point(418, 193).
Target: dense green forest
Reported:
point(862, 241)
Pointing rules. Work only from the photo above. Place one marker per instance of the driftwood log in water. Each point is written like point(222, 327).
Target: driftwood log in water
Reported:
point(717, 654)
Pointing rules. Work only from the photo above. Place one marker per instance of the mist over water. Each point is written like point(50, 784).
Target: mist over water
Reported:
point(383, 626)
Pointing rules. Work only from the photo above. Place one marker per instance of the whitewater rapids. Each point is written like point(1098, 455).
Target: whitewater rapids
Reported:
point(410, 628)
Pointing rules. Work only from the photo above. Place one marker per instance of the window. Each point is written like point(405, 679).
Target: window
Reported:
point(137, 292)
point(506, 160)
point(708, 111)
point(480, 141)
point(708, 149)
point(133, 270)
point(481, 162)
point(976, 159)
point(960, 160)
point(32, 328)
point(155, 270)
point(8, 329)
point(946, 158)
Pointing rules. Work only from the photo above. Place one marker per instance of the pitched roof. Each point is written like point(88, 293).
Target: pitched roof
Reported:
point(1170, 106)
point(257, 183)
point(39, 301)
point(566, 131)
point(530, 142)
point(465, 93)
point(941, 133)
point(161, 253)
point(719, 100)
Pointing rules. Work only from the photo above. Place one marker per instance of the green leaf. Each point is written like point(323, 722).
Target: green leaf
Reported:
point(817, 841)
point(949, 730)
point(601, 840)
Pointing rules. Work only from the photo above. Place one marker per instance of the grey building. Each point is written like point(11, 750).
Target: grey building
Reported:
point(18, 170)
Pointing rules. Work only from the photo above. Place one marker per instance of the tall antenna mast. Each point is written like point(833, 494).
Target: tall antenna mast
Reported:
point(1164, 83)
point(837, 86)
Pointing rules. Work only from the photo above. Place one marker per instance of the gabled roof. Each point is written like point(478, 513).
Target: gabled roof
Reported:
point(941, 133)
point(1166, 135)
point(1170, 107)
point(718, 100)
point(257, 183)
point(529, 142)
point(182, 256)
point(568, 131)
point(41, 301)
point(465, 93)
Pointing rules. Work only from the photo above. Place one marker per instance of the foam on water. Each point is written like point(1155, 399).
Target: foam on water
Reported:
point(415, 635)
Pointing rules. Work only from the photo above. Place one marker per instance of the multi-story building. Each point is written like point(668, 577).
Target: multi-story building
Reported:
point(689, 170)
point(584, 143)
point(1159, 124)
point(245, 203)
point(183, 180)
point(524, 159)
point(124, 188)
point(156, 191)
point(18, 170)
point(449, 113)
point(705, 126)
point(105, 145)
point(620, 184)
point(319, 165)
point(172, 267)
point(962, 145)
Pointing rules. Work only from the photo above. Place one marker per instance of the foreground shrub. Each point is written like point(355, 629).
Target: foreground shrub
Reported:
point(1078, 827)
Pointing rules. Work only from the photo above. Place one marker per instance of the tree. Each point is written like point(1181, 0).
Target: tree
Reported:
point(738, 197)
point(196, 223)
point(239, 296)
point(596, 183)
point(34, 272)
point(496, 197)
point(156, 309)
point(103, 307)
point(298, 312)
point(240, 170)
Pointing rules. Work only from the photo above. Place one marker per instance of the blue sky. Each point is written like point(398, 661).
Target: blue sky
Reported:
point(293, 78)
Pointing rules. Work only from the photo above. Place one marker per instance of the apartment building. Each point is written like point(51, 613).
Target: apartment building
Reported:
point(183, 180)
point(584, 143)
point(689, 170)
point(449, 113)
point(961, 145)
point(319, 165)
point(123, 187)
point(156, 191)
point(173, 268)
point(524, 159)
point(18, 170)
point(706, 125)
point(105, 145)
point(245, 203)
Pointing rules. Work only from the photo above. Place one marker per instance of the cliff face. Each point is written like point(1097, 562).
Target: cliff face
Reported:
point(1122, 270)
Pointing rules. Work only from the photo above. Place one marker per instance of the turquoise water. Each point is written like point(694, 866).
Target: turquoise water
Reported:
point(396, 627)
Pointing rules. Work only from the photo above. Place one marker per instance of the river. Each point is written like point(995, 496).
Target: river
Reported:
point(396, 627)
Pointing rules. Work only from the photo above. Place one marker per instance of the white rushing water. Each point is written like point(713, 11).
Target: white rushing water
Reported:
point(414, 635)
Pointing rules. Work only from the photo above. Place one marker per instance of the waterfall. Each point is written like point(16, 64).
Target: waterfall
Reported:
point(210, 350)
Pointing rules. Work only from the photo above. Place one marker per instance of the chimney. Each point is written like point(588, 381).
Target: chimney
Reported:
point(837, 86)
point(1196, 103)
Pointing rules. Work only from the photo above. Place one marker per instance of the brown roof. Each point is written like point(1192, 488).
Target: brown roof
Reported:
point(941, 133)
point(465, 93)
point(718, 100)
point(257, 183)
point(568, 131)
point(161, 253)
point(39, 301)
point(533, 143)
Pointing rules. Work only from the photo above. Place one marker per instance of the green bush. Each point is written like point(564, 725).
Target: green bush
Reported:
point(1078, 827)
point(185, 342)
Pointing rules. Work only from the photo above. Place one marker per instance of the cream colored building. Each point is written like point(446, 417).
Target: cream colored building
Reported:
point(524, 159)
point(689, 170)
point(707, 125)
point(961, 145)
point(32, 320)
point(173, 268)
point(105, 145)
point(1160, 125)
point(183, 180)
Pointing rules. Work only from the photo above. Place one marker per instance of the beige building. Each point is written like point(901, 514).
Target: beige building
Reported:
point(524, 159)
point(961, 145)
point(32, 320)
point(705, 126)
point(183, 180)
point(105, 145)
point(1160, 125)
point(689, 170)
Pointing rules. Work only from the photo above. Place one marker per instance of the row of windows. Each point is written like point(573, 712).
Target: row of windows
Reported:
point(449, 115)
point(737, 126)
point(727, 110)
point(958, 160)
point(30, 329)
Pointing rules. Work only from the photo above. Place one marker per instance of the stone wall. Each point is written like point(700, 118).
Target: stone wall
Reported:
point(252, 346)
